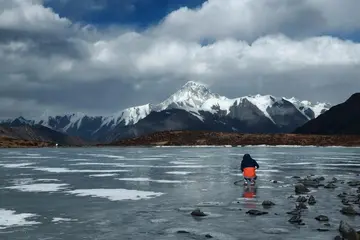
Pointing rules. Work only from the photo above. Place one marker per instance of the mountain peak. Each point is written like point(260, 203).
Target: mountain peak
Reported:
point(193, 85)
point(190, 96)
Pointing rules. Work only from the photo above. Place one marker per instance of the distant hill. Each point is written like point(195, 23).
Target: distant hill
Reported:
point(343, 118)
point(37, 133)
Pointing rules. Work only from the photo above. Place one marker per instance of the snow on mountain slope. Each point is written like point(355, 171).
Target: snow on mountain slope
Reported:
point(305, 105)
point(221, 103)
point(67, 121)
point(262, 103)
point(128, 116)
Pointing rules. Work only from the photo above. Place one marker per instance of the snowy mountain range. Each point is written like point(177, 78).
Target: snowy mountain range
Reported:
point(192, 107)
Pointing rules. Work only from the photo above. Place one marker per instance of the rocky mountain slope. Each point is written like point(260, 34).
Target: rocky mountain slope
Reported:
point(343, 118)
point(193, 106)
point(37, 133)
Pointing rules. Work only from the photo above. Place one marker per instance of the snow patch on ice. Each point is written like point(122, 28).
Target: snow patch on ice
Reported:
point(101, 155)
point(66, 170)
point(183, 163)
point(116, 194)
point(39, 187)
point(103, 175)
point(153, 180)
point(16, 165)
point(179, 173)
point(9, 218)
point(60, 219)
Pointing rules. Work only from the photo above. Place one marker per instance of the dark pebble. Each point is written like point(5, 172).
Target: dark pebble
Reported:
point(198, 213)
point(330, 185)
point(301, 205)
point(295, 219)
point(322, 229)
point(301, 199)
point(208, 236)
point(322, 218)
point(267, 203)
point(256, 212)
point(348, 211)
point(311, 200)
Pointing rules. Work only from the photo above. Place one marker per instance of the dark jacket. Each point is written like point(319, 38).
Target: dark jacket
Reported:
point(248, 161)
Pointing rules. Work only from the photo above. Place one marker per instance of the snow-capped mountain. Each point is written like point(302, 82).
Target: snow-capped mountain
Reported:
point(196, 103)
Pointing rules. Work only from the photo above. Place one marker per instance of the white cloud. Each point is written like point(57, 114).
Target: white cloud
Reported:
point(249, 19)
point(38, 67)
point(29, 15)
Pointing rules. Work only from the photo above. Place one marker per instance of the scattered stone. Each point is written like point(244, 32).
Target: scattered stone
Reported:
point(291, 196)
point(327, 224)
point(311, 200)
point(310, 182)
point(334, 179)
point(354, 183)
point(275, 230)
point(322, 229)
point(208, 236)
point(295, 177)
point(256, 212)
point(342, 195)
point(294, 212)
point(320, 178)
point(347, 231)
point(349, 210)
point(267, 203)
point(198, 213)
point(301, 205)
point(182, 231)
point(330, 185)
point(345, 202)
point(301, 189)
point(322, 218)
point(301, 199)
point(295, 219)
point(338, 238)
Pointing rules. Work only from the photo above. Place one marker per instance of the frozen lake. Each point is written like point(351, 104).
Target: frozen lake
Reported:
point(149, 193)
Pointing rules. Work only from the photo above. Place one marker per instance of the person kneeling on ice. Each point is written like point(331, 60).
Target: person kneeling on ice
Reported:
point(248, 168)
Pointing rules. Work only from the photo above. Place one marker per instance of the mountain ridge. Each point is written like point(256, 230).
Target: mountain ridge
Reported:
point(199, 101)
point(343, 119)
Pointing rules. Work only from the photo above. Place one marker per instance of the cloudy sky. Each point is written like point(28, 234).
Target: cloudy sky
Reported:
point(100, 56)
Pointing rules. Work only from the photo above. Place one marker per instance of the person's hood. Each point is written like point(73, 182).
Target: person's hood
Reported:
point(247, 157)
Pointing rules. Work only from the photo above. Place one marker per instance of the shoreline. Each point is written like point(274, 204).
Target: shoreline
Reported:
point(203, 139)
point(224, 139)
